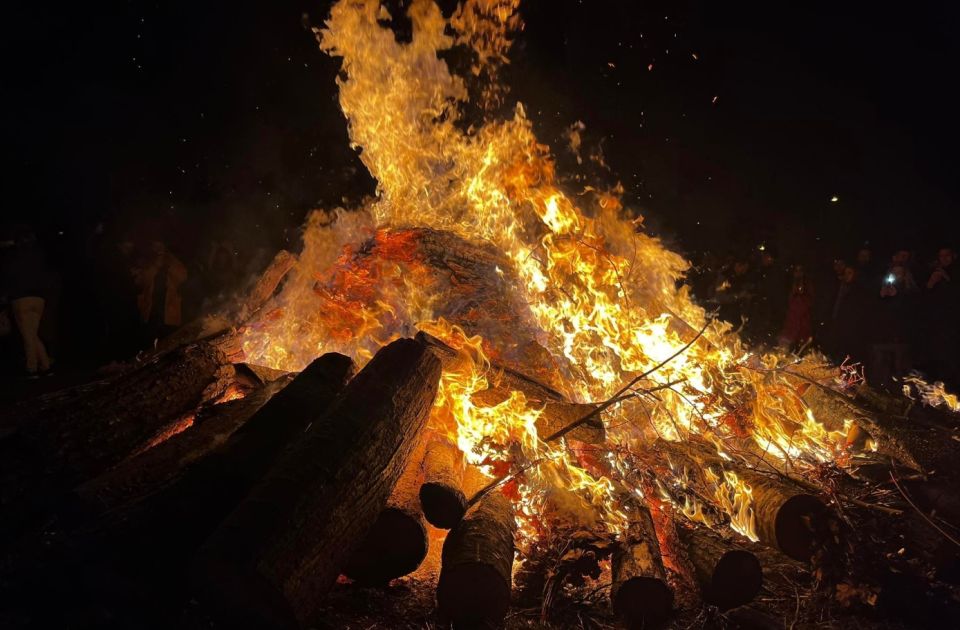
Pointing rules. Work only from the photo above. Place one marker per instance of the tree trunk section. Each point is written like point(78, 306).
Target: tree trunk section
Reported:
point(441, 495)
point(151, 471)
point(278, 553)
point(90, 434)
point(787, 518)
point(477, 565)
point(729, 576)
point(640, 595)
point(397, 542)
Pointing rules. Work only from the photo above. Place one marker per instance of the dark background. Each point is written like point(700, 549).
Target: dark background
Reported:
point(198, 121)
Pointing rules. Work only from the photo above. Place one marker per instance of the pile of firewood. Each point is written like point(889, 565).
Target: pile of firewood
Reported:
point(252, 492)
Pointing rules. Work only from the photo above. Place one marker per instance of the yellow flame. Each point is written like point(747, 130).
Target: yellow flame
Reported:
point(603, 298)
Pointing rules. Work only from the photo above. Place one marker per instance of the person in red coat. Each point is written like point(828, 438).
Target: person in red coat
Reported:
point(798, 324)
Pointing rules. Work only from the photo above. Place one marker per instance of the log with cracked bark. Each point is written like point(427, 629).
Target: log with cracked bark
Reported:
point(477, 565)
point(787, 517)
point(441, 494)
point(728, 575)
point(275, 556)
point(639, 594)
point(397, 542)
point(89, 434)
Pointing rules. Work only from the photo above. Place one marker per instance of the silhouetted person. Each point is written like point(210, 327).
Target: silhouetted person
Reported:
point(846, 335)
point(26, 283)
point(868, 273)
point(159, 279)
point(893, 321)
point(942, 334)
point(798, 324)
point(770, 302)
point(118, 299)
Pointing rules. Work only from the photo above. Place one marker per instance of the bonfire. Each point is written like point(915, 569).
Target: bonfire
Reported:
point(490, 383)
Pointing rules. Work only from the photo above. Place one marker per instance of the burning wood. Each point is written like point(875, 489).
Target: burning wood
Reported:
point(275, 556)
point(477, 565)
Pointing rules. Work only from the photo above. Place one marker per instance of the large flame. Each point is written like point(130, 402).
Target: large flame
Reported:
point(601, 296)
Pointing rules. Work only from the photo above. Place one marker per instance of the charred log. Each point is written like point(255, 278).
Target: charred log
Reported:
point(441, 495)
point(640, 595)
point(151, 471)
point(274, 557)
point(477, 564)
point(82, 439)
point(729, 576)
point(130, 535)
point(397, 542)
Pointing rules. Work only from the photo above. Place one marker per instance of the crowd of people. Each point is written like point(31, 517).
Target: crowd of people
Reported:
point(891, 316)
point(133, 292)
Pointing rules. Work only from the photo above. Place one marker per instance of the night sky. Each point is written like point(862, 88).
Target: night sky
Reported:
point(727, 122)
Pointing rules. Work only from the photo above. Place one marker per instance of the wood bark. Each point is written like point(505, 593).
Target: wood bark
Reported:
point(271, 561)
point(397, 542)
point(441, 495)
point(136, 478)
point(916, 437)
point(477, 565)
point(786, 516)
point(639, 594)
point(729, 575)
point(80, 440)
point(130, 542)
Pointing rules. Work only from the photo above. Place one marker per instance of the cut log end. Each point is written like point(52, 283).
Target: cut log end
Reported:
point(737, 579)
point(443, 505)
point(395, 546)
point(477, 564)
point(643, 602)
point(798, 525)
point(473, 595)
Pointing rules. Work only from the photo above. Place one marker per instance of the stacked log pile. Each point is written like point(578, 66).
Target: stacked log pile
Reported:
point(152, 489)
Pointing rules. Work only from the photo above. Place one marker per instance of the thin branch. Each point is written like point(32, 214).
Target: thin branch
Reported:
point(605, 405)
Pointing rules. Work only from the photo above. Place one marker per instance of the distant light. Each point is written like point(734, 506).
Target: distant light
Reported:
point(834, 199)
point(762, 247)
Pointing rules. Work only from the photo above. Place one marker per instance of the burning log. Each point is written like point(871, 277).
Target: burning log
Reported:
point(272, 559)
point(139, 525)
point(557, 411)
point(921, 439)
point(397, 542)
point(785, 517)
point(640, 594)
point(477, 565)
point(241, 440)
point(729, 576)
point(441, 495)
